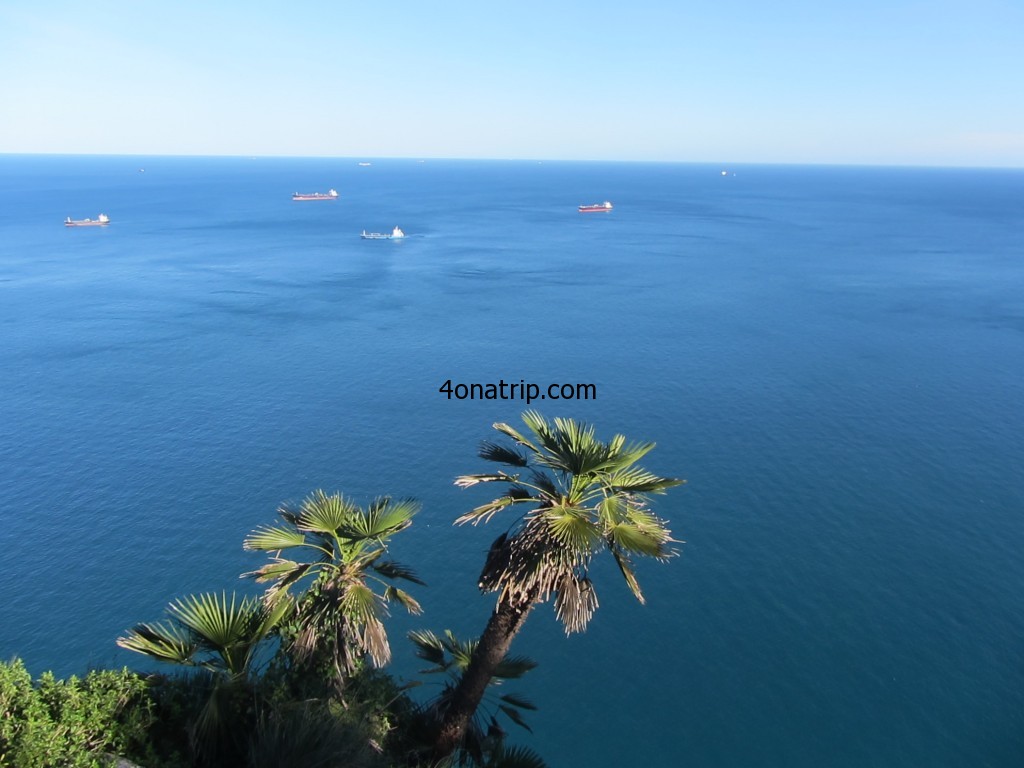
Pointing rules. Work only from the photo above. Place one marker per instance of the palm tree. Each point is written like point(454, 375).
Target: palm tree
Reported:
point(581, 495)
point(210, 632)
point(339, 617)
point(221, 637)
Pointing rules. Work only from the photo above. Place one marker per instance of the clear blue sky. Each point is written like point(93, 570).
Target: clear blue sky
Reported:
point(857, 81)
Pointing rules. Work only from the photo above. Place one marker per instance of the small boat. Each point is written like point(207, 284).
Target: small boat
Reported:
point(329, 195)
point(101, 221)
point(396, 234)
point(364, 165)
point(596, 207)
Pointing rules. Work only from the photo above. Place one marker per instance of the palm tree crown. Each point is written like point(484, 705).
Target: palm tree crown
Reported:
point(582, 495)
point(340, 614)
point(209, 631)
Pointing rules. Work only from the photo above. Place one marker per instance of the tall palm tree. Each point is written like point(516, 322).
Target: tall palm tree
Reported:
point(579, 496)
point(339, 618)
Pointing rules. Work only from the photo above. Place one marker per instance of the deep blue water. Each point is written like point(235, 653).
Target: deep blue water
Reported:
point(833, 357)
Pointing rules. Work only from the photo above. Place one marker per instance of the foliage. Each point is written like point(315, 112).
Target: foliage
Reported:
point(210, 632)
point(339, 618)
point(484, 742)
point(320, 700)
point(74, 722)
point(311, 734)
point(576, 495)
point(582, 495)
point(220, 637)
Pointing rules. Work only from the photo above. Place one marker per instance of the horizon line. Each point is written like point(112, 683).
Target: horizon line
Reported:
point(539, 160)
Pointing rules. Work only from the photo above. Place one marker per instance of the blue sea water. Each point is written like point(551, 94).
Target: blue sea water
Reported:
point(833, 358)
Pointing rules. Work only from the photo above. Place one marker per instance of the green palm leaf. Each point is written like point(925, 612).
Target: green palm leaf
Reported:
point(163, 642)
point(505, 429)
point(636, 480)
point(383, 518)
point(572, 529)
point(325, 514)
point(429, 648)
point(229, 629)
point(362, 603)
point(639, 540)
point(627, 573)
point(271, 539)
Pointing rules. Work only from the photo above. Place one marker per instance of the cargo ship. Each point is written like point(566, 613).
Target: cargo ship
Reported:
point(596, 207)
point(329, 195)
point(101, 221)
point(396, 234)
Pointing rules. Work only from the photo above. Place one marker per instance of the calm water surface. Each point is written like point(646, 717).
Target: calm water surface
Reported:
point(833, 357)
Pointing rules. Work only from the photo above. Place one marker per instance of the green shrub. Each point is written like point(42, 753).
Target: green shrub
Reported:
point(73, 723)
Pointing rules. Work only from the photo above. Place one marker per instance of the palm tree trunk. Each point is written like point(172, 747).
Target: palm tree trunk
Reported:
point(505, 622)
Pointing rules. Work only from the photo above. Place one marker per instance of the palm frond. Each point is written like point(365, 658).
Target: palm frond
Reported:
point(545, 484)
point(361, 603)
point(485, 512)
point(513, 714)
point(229, 629)
point(269, 539)
point(283, 572)
point(276, 613)
point(575, 603)
point(637, 480)
point(641, 540)
point(502, 454)
point(572, 529)
point(374, 640)
point(429, 647)
point(627, 573)
point(289, 513)
point(163, 642)
point(381, 519)
point(518, 701)
point(505, 429)
point(514, 667)
point(460, 650)
point(406, 600)
point(467, 481)
point(325, 514)
point(627, 454)
point(393, 570)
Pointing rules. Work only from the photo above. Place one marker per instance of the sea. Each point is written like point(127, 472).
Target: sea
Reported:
point(832, 357)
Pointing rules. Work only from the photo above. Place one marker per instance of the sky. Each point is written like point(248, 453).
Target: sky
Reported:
point(873, 82)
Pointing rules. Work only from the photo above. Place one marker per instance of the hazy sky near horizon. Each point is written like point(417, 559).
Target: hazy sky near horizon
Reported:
point(867, 82)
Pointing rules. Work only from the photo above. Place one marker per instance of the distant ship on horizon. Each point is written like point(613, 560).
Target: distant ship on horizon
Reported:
point(596, 207)
point(101, 221)
point(329, 195)
point(396, 234)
